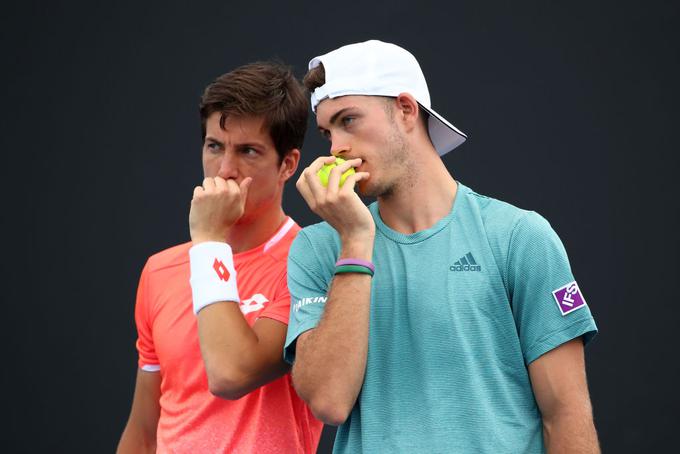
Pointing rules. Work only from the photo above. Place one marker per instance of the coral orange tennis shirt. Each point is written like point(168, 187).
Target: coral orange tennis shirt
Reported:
point(271, 419)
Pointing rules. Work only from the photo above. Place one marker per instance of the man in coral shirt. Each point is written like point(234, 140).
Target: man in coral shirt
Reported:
point(227, 288)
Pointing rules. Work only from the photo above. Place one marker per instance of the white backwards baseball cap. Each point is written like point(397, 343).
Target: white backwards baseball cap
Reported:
point(375, 68)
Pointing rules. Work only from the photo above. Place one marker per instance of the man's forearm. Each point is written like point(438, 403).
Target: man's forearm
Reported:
point(236, 362)
point(570, 433)
point(331, 360)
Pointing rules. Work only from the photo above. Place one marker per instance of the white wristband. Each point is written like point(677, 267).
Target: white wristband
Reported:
point(213, 277)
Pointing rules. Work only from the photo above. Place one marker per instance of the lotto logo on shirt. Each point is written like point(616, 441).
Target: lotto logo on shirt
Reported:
point(569, 298)
point(254, 303)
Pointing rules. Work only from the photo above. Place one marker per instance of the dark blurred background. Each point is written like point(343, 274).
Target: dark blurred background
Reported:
point(571, 110)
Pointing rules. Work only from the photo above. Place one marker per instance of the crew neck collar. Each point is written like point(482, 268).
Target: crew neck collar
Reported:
point(421, 235)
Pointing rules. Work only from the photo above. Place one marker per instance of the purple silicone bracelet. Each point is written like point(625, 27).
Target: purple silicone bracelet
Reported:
point(359, 262)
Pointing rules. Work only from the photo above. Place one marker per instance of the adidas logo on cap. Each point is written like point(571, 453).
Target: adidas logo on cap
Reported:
point(466, 263)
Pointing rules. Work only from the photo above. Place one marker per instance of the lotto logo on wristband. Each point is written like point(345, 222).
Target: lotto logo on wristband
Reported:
point(569, 298)
point(221, 270)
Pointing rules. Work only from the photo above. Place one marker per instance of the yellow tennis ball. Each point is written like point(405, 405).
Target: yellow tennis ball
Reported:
point(325, 171)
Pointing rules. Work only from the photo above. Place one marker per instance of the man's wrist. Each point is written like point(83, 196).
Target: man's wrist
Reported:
point(213, 276)
point(197, 239)
point(357, 247)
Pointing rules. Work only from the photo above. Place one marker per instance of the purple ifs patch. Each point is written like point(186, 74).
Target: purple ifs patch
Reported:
point(569, 298)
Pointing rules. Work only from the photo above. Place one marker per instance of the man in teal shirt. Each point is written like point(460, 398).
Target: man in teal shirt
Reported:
point(436, 320)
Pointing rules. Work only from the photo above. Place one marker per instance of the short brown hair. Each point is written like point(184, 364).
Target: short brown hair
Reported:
point(314, 78)
point(267, 89)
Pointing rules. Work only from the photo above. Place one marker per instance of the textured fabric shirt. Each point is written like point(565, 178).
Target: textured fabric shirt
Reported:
point(270, 419)
point(458, 312)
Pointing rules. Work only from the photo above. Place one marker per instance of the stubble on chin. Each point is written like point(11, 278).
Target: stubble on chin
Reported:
point(399, 157)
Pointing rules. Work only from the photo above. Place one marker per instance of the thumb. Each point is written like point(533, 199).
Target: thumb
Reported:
point(244, 186)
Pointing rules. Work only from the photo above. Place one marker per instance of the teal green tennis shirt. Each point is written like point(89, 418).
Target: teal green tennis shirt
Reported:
point(458, 312)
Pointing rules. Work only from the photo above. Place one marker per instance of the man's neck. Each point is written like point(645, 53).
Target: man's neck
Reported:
point(423, 202)
point(248, 234)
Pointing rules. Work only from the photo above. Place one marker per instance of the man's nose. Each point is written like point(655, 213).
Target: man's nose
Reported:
point(338, 150)
point(228, 166)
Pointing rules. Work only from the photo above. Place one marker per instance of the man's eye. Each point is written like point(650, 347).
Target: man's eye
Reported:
point(346, 121)
point(213, 147)
point(249, 151)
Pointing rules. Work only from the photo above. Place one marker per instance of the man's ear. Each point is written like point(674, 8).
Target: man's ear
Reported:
point(408, 110)
point(289, 164)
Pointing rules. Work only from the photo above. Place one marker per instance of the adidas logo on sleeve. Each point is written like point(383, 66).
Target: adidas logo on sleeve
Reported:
point(466, 263)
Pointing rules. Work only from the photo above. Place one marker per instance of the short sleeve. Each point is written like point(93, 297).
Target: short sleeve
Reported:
point(148, 360)
point(279, 308)
point(539, 275)
point(308, 282)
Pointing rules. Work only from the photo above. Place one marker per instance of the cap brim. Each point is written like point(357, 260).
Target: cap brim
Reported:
point(444, 136)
